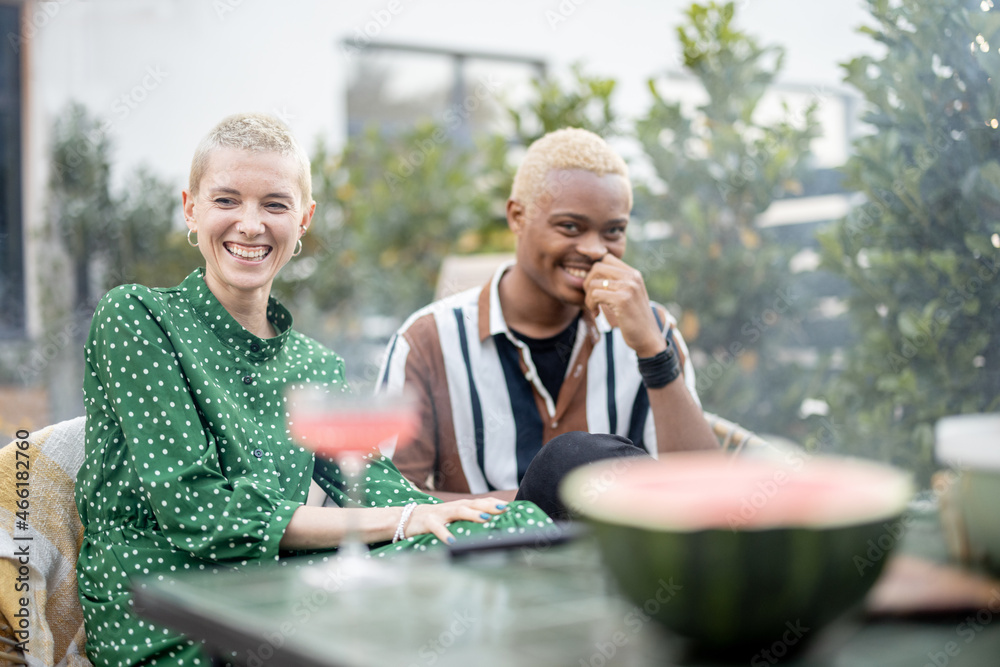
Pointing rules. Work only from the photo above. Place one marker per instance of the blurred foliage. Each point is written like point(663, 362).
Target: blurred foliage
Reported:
point(109, 238)
point(585, 103)
point(389, 209)
point(719, 168)
point(918, 254)
point(80, 207)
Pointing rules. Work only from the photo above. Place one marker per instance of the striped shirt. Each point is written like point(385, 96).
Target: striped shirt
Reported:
point(485, 411)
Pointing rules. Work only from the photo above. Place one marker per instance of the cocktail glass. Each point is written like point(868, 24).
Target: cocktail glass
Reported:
point(347, 428)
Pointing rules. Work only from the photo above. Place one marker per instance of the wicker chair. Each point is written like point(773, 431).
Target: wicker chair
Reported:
point(737, 440)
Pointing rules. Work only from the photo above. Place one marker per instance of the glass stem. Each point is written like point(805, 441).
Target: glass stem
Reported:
point(352, 466)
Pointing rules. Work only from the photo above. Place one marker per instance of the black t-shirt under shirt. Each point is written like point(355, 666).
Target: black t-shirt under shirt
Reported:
point(551, 356)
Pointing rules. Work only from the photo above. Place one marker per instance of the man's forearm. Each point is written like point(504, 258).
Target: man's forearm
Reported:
point(679, 421)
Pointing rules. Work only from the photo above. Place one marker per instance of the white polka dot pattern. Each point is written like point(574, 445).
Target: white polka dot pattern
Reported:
point(188, 462)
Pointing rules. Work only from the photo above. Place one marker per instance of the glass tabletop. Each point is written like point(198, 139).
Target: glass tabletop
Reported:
point(531, 605)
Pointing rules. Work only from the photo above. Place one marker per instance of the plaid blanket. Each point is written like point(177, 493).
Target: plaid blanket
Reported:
point(45, 539)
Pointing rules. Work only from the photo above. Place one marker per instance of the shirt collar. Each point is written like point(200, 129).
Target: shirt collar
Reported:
point(230, 332)
point(491, 319)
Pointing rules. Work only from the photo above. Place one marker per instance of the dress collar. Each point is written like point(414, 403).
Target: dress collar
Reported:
point(230, 332)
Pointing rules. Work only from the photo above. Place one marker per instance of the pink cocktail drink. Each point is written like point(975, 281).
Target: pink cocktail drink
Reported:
point(358, 431)
point(346, 428)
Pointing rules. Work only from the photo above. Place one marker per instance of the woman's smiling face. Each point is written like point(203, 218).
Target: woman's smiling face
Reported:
point(249, 214)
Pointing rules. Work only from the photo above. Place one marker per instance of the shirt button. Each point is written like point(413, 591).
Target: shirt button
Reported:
point(259, 453)
point(247, 379)
point(254, 347)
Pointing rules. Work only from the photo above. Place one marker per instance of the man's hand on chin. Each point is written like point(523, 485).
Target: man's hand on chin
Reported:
point(618, 290)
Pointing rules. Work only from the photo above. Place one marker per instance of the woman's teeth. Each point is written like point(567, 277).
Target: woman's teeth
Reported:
point(256, 253)
point(576, 273)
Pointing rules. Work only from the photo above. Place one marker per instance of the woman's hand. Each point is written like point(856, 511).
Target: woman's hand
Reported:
point(325, 527)
point(435, 518)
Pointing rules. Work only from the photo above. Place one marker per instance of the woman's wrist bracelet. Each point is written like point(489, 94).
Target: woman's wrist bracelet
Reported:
point(660, 369)
point(401, 528)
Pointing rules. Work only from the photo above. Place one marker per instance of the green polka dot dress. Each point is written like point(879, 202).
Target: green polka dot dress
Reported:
point(188, 463)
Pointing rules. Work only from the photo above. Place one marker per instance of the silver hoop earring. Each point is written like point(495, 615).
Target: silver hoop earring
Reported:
point(195, 244)
point(298, 248)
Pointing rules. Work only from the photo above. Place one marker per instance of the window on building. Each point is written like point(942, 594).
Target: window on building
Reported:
point(393, 86)
point(11, 228)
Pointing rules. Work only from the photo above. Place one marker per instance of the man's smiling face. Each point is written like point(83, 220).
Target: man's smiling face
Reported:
point(578, 218)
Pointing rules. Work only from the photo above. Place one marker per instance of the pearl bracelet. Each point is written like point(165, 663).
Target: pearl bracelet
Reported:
point(401, 528)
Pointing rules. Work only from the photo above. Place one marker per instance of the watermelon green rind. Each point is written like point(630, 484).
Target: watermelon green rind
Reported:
point(785, 576)
point(742, 584)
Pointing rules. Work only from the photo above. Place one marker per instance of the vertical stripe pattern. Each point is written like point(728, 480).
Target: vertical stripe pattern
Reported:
point(474, 404)
point(528, 423)
point(609, 341)
point(489, 420)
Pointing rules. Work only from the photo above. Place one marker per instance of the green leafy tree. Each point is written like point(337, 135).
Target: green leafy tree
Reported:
point(921, 254)
point(389, 209)
point(585, 102)
point(720, 168)
point(106, 238)
point(109, 237)
point(148, 246)
point(81, 210)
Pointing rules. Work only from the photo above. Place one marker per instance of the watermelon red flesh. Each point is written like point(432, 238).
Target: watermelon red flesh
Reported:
point(698, 491)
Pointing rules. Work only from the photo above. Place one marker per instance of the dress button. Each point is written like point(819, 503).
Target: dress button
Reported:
point(247, 379)
point(259, 453)
point(254, 347)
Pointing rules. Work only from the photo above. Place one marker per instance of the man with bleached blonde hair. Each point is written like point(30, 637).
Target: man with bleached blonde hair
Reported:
point(562, 348)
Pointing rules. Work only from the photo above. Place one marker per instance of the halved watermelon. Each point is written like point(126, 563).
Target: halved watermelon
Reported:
point(750, 547)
